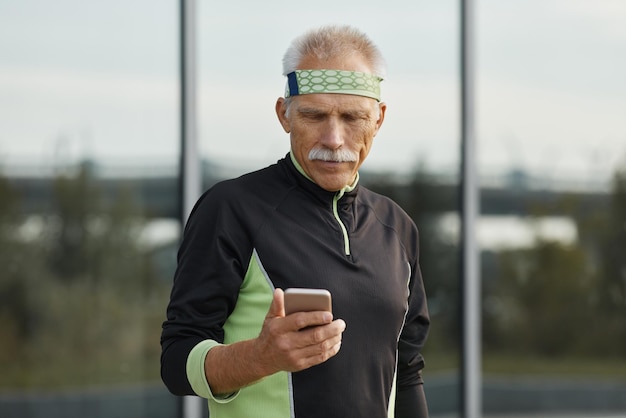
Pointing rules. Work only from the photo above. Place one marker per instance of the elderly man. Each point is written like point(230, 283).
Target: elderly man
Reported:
point(304, 222)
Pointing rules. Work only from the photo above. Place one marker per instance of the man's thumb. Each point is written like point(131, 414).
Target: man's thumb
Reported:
point(277, 308)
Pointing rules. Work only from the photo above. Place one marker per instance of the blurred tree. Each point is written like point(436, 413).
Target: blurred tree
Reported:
point(23, 270)
point(613, 251)
point(612, 268)
point(556, 299)
point(542, 300)
point(76, 206)
point(80, 284)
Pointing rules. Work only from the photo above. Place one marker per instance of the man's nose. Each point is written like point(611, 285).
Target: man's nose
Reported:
point(332, 136)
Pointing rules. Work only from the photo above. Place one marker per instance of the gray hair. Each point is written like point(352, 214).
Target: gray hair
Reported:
point(332, 41)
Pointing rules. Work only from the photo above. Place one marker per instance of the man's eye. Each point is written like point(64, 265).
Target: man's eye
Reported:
point(314, 116)
point(352, 117)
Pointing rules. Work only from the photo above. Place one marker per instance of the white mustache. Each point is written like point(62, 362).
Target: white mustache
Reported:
point(340, 155)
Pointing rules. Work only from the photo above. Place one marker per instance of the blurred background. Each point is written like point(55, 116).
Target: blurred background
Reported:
point(90, 201)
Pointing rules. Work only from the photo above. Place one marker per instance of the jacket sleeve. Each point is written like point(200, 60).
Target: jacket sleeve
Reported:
point(206, 283)
point(410, 399)
point(411, 403)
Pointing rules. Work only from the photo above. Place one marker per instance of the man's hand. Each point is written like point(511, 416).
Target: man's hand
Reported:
point(290, 343)
point(298, 341)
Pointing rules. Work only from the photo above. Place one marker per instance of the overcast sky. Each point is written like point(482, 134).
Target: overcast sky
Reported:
point(99, 79)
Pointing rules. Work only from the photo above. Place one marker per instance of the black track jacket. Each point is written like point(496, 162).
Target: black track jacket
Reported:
point(275, 228)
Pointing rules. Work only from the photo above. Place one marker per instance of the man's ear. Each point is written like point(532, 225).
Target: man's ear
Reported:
point(281, 112)
point(381, 116)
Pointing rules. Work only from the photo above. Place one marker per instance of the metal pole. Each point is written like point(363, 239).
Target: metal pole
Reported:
point(190, 170)
point(471, 381)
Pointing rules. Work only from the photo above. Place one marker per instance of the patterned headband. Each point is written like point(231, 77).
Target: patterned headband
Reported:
point(333, 81)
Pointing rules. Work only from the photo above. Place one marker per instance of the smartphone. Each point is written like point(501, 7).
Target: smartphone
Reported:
point(307, 300)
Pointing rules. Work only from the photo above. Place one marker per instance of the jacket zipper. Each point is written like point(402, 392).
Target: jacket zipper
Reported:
point(344, 231)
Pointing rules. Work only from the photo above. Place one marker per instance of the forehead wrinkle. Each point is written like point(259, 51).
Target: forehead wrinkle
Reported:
point(310, 110)
point(352, 109)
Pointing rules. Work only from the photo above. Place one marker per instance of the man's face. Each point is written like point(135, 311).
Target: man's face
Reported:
point(334, 126)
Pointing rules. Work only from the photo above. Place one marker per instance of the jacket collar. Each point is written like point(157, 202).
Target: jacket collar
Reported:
point(348, 193)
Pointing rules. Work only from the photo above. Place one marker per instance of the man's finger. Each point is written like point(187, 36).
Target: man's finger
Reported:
point(305, 320)
point(277, 308)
